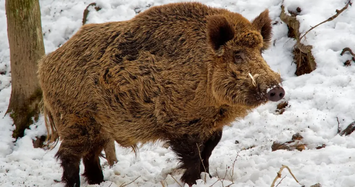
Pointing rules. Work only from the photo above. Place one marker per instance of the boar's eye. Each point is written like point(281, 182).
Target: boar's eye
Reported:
point(238, 57)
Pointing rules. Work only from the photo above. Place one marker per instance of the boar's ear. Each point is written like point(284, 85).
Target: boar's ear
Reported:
point(219, 32)
point(263, 24)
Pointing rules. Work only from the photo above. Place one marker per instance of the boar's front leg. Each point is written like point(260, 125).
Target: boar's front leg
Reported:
point(191, 149)
point(187, 149)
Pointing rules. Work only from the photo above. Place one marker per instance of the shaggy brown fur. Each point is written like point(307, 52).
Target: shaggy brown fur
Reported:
point(177, 72)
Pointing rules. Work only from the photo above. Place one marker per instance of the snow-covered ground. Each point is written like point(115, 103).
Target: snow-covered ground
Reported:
point(319, 102)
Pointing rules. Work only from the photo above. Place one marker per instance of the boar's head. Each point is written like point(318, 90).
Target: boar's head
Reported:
point(240, 74)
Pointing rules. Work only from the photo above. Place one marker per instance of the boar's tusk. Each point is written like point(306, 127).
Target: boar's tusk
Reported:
point(253, 80)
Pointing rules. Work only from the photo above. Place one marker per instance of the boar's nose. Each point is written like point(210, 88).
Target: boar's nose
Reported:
point(276, 94)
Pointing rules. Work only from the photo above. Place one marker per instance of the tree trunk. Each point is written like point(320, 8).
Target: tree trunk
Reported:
point(26, 48)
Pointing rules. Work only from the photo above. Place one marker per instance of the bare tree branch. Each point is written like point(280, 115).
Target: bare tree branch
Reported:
point(338, 12)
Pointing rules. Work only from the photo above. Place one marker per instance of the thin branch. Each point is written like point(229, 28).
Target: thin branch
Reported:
point(289, 170)
point(338, 12)
point(215, 182)
point(162, 183)
point(235, 160)
point(225, 174)
point(123, 185)
point(279, 175)
point(280, 181)
point(176, 181)
point(203, 165)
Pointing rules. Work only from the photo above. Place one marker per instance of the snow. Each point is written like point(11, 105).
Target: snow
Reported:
point(318, 103)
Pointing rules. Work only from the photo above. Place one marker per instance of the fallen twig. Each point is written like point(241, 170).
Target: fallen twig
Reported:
point(215, 182)
point(279, 175)
point(123, 185)
point(280, 181)
point(162, 183)
point(176, 181)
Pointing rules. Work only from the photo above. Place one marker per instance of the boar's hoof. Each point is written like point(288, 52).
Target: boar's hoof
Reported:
point(276, 94)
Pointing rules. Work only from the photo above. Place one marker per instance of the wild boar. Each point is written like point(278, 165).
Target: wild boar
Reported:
point(177, 72)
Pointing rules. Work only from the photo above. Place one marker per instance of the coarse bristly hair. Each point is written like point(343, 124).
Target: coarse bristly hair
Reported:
point(176, 72)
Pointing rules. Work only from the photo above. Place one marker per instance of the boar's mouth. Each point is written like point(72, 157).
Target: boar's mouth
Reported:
point(273, 93)
point(256, 98)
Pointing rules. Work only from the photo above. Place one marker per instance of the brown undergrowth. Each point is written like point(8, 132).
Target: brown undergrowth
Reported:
point(302, 54)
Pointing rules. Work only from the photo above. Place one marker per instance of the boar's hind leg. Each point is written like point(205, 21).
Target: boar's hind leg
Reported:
point(93, 171)
point(70, 159)
point(209, 145)
point(80, 138)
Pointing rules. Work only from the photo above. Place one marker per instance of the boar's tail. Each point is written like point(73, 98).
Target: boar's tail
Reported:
point(52, 134)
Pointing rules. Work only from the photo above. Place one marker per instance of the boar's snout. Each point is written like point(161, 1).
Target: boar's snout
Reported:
point(275, 94)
